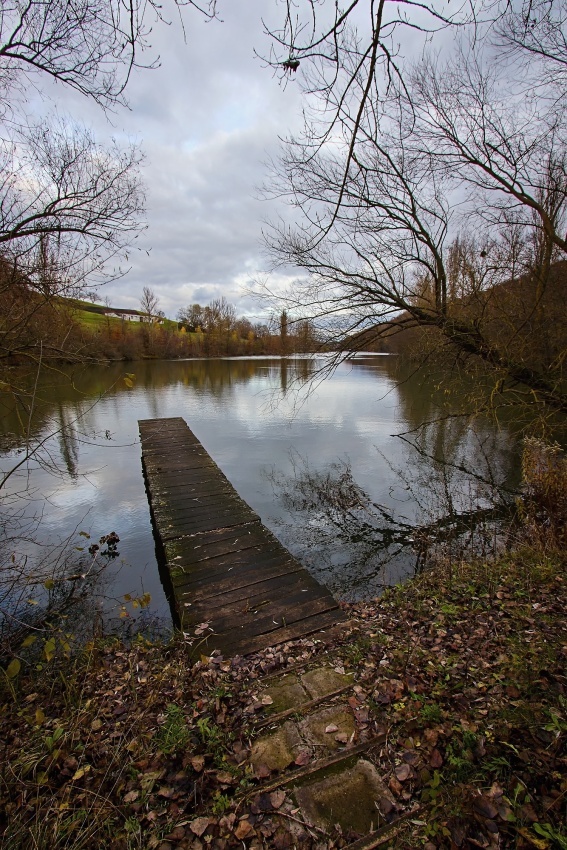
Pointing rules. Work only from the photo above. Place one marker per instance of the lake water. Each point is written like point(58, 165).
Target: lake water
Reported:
point(299, 458)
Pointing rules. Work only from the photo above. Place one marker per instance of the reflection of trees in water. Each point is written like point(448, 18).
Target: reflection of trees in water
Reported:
point(283, 375)
point(357, 546)
point(53, 590)
point(48, 588)
point(68, 441)
point(63, 397)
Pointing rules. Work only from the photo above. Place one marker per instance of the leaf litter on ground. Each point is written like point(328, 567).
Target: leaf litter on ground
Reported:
point(462, 670)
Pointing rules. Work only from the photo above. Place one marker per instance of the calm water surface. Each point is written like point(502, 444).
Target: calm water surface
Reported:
point(262, 434)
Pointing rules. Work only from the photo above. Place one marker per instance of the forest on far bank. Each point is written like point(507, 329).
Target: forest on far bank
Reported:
point(69, 329)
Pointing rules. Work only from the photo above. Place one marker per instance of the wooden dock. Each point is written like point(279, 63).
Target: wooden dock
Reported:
point(227, 569)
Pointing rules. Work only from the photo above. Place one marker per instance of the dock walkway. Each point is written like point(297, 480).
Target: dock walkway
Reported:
point(227, 569)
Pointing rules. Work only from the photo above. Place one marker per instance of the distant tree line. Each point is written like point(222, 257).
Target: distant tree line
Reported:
point(216, 329)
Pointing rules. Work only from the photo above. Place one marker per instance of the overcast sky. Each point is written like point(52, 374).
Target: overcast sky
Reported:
point(207, 120)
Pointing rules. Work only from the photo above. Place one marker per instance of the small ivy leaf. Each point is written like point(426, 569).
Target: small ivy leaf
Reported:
point(13, 668)
point(81, 772)
point(49, 649)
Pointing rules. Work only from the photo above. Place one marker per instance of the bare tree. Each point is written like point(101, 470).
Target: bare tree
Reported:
point(219, 316)
point(149, 303)
point(533, 32)
point(449, 147)
point(89, 45)
point(191, 317)
point(55, 180)
point(69, 207)
point(58, 182)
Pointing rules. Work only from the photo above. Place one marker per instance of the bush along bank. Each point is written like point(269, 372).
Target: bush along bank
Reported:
point(453, 696)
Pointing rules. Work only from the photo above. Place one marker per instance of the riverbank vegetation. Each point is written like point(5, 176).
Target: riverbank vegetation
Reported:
point(34, 330)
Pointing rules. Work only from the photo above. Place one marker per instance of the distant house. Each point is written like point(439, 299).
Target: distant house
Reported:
point(132, 316)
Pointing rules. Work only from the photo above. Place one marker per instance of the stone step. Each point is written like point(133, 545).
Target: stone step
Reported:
point(317, 734)
point(354, 797)
point(300, 691)
point(344, 790)
point(316, 756)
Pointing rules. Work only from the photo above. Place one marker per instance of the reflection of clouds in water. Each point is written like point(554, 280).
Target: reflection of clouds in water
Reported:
point(230, 406)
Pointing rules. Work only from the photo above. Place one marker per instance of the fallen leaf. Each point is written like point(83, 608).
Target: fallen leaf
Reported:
point(198, 763)
point(431, 736)
point(266, 700)
point(277, 798)
point(199, 825)
point(81, 772)
point(244, 830)
point(13, 668)
point(302, 759)
point(261, 803)
point(177, 834)
point(402, 772)
point(261, 771)
point(332, 727)
point(131, 796)
point(341, 738)
point(435, 759)
point(227, 822)
point(485, 807)
point(166, 792)
point(539, 843)
point(385, 805)
point(96, 724)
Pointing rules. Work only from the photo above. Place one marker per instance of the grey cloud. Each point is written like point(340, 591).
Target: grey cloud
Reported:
point(207, 119)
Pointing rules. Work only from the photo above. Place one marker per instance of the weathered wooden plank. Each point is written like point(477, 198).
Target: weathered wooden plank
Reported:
point(180, 492)
point(219, 507)
point(194, 506)
point(207, 523)
point(240, 575)
point(189, 550)
point(253, 558)
point(234, 644)
point(212, 598)
point(177, 464)
point(270, 616)
point(195, 483)
point(256, 598)
point(226, 567)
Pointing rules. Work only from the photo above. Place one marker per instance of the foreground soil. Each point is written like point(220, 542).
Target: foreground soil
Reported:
point(460, 675)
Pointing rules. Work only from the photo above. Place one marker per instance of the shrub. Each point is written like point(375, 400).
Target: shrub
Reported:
point(543, 506)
